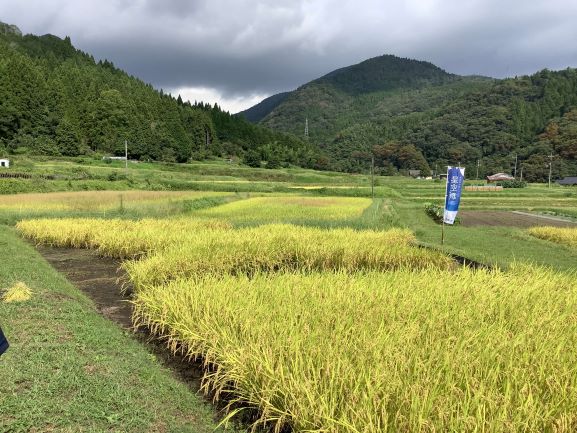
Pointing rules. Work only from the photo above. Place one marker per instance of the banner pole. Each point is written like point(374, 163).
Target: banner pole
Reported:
point(444, 207)
point(443, 232)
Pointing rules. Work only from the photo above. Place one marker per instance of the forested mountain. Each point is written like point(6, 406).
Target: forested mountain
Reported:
point(257, 112)
point(411, 114)
point(56, 100)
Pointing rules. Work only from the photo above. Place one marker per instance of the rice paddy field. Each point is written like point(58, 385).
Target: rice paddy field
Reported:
point(97, 201)
point(564, 236)
point(303, 210)
point(315, 308)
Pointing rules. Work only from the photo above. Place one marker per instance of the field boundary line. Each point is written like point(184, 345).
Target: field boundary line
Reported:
point(547, 217)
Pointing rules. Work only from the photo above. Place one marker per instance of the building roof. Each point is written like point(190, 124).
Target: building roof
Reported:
point(569, 180)
point(500, 176)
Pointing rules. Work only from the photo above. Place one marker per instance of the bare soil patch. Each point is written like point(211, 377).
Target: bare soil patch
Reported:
point(98, 277)
point(101, 278)
point(509, 219)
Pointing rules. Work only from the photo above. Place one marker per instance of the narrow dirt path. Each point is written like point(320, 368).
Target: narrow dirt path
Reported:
point(98, 277)
point(101, 278)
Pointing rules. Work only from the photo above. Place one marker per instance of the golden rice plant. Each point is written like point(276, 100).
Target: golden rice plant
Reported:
point(19, 292)
point(116, 237)
point(286, 209)
point(96, 200)
point(405, 351)
point(282, 247)
point(566, 236)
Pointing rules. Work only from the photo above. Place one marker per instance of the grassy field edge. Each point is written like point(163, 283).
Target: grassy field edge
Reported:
point(70, 369)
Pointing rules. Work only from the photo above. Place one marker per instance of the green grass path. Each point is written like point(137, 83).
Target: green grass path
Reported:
point(71, 370)
point(498, 246)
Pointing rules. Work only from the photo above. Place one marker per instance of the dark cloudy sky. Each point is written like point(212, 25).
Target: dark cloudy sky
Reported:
point(236, 52)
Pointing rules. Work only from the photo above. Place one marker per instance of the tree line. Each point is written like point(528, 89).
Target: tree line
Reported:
point(57, 100)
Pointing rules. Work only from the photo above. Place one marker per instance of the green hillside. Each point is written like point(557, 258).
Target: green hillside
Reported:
point(57, 100)
point(433, 118)
point(258, 112)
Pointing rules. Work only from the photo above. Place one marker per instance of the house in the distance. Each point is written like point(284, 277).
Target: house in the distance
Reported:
point(5, 163)
point(499, 177)
point(569, 180)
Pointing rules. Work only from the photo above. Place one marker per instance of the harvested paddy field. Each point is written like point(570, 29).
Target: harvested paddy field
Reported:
point(471, 218)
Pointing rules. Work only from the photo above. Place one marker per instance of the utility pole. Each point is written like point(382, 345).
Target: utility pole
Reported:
point(550, 167)
point(478, 164)
point(126, 155)
point(515, 172)
point(521, 179)
point(307, 128)
point(373, 176)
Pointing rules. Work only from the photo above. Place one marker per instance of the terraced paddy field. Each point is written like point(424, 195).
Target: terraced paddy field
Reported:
point(321, 333)
point(564, 236)
point(103, 204)
point(308, 307)
point(296, 209)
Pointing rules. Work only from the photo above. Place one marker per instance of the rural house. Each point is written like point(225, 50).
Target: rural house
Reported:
point(499, 177)
point(4, 163)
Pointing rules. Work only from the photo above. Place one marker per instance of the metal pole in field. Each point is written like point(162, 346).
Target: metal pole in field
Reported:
point(515, 172)
point(550, 167)
point(478, 164)
point(443, 232)
point(373, 177)
point(126, 155)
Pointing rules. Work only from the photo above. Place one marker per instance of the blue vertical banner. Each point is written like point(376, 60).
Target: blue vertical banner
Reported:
point(455, 178)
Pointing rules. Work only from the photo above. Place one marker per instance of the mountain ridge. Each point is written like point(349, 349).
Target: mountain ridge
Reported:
point(446, 118)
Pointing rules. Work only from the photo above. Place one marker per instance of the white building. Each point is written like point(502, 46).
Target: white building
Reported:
point(4, 163)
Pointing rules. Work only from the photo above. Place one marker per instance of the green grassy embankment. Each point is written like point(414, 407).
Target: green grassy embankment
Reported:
point(69, 369)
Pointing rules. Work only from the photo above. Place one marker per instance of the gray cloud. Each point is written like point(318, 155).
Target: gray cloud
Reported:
point(265, 46)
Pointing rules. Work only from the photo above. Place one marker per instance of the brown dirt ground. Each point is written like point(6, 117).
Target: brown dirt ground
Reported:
point(508, 219)
point(101, 279)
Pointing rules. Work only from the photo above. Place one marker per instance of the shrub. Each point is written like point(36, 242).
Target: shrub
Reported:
point(512, 184)
point(436, 212)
